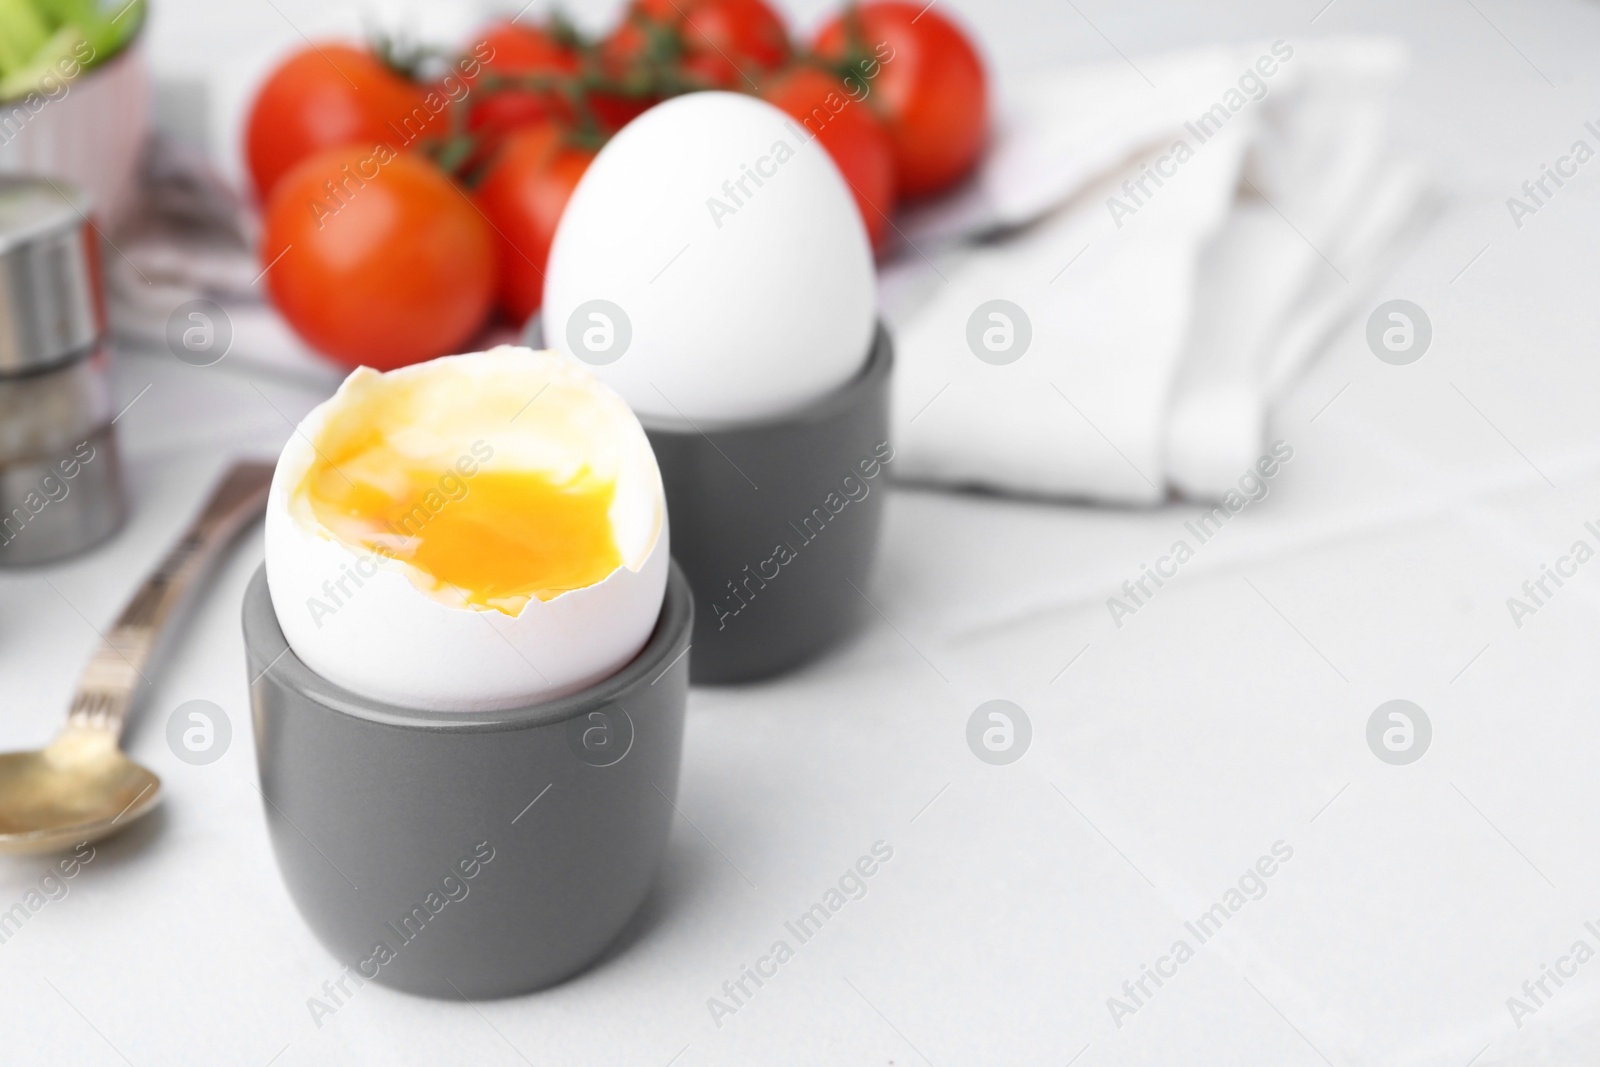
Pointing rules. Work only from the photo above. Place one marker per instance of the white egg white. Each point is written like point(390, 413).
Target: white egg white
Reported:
point(387, 631)
point(724, 233)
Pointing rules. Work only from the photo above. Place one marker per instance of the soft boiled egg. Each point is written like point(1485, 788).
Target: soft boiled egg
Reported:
point(712, 266)
point(475, 533)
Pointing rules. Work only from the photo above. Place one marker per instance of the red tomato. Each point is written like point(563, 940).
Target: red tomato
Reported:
point(660, 10)
point(509, 47)
point(852, 134)
point(631, 56)
point(633, 39)
point(512, 50)
point(614, 110)
point(324, 97)
point(496, 114)
point(730, 41)
point(394, 266)
point(523, 195)
point(929, 86)
point(721, 43)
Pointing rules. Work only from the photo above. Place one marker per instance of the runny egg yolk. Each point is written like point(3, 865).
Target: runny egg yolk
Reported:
point(494, 538)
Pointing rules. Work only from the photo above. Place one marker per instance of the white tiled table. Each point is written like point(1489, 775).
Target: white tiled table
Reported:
point(1226, 716)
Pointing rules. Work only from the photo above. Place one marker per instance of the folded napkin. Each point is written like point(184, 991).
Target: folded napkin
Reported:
point(1171, 242)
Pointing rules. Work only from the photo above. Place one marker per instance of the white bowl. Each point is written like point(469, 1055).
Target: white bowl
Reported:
point(90, 135)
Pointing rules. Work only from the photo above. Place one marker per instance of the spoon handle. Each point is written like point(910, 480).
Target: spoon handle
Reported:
point(117, 667)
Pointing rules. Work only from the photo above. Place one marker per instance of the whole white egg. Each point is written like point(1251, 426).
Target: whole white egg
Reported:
point(712, 266)
point(474, 533)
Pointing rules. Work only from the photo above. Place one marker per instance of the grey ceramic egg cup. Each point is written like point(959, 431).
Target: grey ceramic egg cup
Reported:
point(735, 496)
point(468, 854)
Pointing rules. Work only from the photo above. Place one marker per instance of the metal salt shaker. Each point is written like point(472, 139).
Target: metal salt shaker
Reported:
point(61, 487)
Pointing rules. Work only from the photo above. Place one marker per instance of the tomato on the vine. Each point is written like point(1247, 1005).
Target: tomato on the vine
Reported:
point(525, 54)
point(927, 82)
point(509, 47)
point(522, 195)
point(852, 134)
point(376, 258)
point(326, 96)
point(726, 44)
point(614, 109)
point(730, 43)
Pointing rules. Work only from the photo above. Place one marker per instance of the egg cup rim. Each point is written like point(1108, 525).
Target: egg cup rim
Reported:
point(264, 639)
point(879, 362)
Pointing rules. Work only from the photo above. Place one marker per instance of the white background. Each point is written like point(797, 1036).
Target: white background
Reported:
point(1228, 714)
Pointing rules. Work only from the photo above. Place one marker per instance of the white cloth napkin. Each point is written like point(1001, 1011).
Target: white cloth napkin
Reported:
point(1179, 235)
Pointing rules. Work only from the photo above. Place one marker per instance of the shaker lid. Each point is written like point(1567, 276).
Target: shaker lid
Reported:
point(31, 208)
point(51, 304)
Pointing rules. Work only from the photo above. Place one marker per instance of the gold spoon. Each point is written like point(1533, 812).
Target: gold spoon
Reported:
point(81, 787)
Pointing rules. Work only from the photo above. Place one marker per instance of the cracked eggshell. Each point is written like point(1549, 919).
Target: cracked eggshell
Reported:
point(391, 640)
